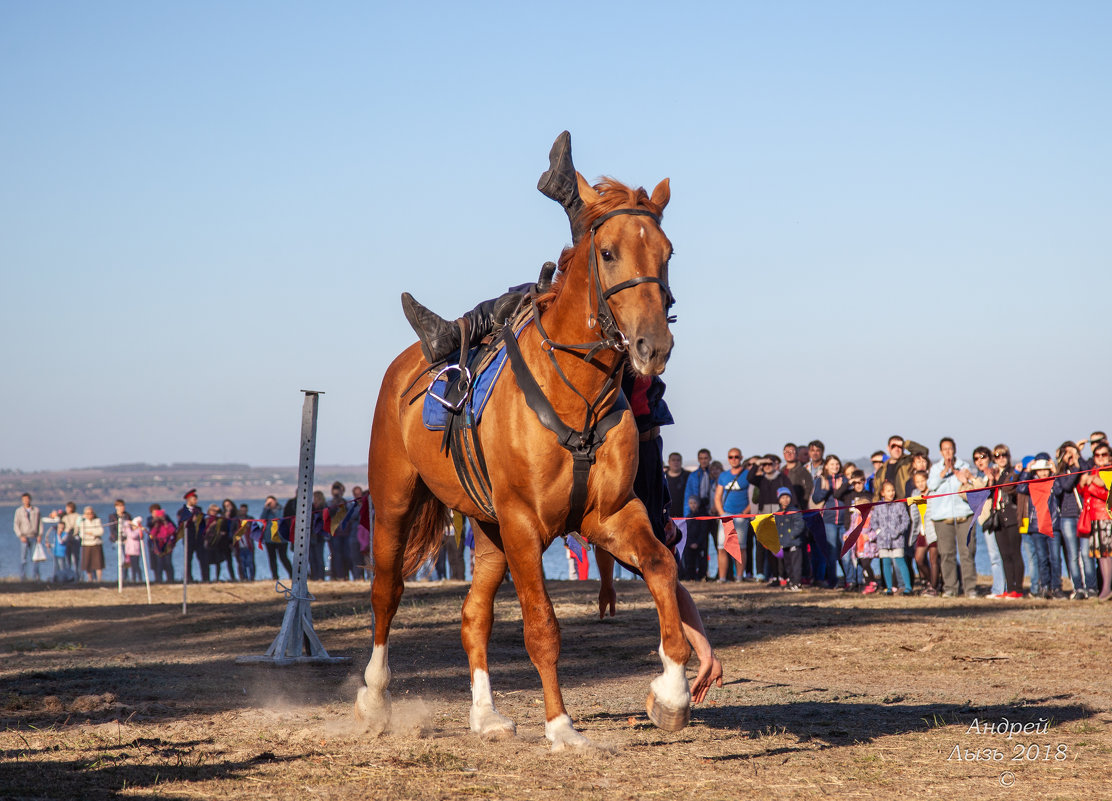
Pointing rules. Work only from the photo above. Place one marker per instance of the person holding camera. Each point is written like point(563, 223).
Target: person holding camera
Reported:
point(951, 516)
point(1082, 569)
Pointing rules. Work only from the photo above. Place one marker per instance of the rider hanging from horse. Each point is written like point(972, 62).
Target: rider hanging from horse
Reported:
point(440, 338)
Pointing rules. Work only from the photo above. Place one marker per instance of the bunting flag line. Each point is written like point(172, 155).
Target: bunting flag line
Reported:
point(1040, 499)
point(764, 526)
point(976, 500)
point(732, 544)
point(681, 524)
point(1106, 477)
point(851, 538)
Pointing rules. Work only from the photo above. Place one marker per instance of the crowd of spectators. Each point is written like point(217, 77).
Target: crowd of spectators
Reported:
point(918, 517)
point(221, 540)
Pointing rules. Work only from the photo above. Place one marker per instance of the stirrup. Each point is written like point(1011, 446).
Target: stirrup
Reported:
point(464, 384)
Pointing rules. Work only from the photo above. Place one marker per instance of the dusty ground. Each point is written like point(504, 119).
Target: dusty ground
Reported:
point(827, 695)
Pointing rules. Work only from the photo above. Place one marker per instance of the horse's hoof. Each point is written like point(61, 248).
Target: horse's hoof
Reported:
point(666, 717)
point(490, 725)
point(374, 718)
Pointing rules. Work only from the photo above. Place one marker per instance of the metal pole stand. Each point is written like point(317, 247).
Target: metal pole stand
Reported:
point(297, 643)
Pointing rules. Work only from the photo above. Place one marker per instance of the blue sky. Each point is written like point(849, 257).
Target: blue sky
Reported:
point(888, 217)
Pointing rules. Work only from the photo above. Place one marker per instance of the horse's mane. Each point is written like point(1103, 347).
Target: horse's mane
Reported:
point(615, 195)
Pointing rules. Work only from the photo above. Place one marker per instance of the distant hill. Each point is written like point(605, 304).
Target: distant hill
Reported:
point(147, 482)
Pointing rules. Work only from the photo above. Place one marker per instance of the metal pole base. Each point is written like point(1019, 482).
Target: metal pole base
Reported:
point(297, 643)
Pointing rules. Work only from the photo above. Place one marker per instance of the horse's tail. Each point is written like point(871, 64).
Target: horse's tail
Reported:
point(426, 533)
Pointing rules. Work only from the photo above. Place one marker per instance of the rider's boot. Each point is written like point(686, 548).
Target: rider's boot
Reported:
point(440, 337)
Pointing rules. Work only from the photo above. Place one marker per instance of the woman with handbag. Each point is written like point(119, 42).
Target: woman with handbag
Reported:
point(1082, 569)
point(1003, 520)
point(1094, 493)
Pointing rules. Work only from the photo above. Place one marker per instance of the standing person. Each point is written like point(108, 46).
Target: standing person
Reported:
point(116, 521)
point(892, 524)
point(791, 530)
point(675, 477)
point(223, 521)
point(698, 495)
point(765, 475)
point(26, 526)
point(317, 537)
point(1044, 531)
point(163, 537)
point(191, 518)
point(244, 545)
point(983, 468)
point(1004, 505)
point(72, 555)
point(925, 540)
point(1094, 439)
point(919, 461)
point(338, 541)
point(1094, 493)
point(276, 548)
point(830, 492)
point(91, 533)
point(877, 460)
point(951, 516)
point(133, 532)
point(816, 455)
point(355, 547)
point(731, 499)
point(1082, 569)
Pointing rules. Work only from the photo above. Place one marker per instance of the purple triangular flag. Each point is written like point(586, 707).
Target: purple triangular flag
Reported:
point(976, 500)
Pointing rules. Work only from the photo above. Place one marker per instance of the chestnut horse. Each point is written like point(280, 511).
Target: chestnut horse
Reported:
point(412, 482)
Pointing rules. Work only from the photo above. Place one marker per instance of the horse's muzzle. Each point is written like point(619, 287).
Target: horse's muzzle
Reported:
point(648, 353)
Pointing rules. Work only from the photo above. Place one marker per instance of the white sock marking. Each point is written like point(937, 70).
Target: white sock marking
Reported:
point(671, 688)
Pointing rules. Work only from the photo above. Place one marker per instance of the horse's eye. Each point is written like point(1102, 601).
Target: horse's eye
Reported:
point(606, 255)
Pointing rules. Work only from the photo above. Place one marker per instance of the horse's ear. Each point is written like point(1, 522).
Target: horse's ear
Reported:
point(586, 191)
point(662, 194)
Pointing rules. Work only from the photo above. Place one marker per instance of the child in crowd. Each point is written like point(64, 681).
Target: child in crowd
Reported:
point(245, 546)
point(791, 529)
point(891, 523)
point(1044, 531)
point(163, 536)
point(923, 536)
point(134, 531)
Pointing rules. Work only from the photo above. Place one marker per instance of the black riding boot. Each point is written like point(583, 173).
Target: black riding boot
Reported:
point(439, 337)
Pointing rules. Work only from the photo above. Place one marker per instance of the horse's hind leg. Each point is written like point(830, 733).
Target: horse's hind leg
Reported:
point(478, 615)
point(399, 495)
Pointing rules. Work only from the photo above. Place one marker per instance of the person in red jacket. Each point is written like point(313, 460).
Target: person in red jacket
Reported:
point(1094, 495)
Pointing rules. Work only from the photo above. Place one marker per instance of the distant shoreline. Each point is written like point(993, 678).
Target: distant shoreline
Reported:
point(142, 483)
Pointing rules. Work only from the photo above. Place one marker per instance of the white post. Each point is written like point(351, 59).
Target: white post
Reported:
point(146, 567)
point(297, 642)
point(119, 555)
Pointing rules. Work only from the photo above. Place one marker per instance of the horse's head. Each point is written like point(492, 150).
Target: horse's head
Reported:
point(627, 254)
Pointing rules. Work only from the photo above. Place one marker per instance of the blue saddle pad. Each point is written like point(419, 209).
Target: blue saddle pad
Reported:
point(435, 415)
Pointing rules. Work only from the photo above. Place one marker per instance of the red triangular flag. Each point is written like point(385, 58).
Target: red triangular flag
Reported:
point(733, 545)
point(863, 510)
point(1040, 499)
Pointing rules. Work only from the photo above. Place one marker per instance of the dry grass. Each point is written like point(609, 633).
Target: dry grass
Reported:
point(102, 696)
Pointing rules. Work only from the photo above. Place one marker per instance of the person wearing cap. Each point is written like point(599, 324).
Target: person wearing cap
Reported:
point(1044, 531)
point(191, 516)
point(792, 531)
point(951, 516)
point(766, 477)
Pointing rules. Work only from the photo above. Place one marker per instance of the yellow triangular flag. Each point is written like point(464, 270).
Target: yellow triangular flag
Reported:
point(920, 503)
point(767, 535)
point(1106, 477)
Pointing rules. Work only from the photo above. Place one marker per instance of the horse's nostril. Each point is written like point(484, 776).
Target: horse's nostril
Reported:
point(644, 350)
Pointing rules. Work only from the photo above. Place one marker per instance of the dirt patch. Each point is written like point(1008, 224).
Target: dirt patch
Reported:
point(827, 695)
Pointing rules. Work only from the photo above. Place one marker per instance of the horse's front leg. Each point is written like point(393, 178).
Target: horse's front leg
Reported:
point(628, 535)
point(478, 615)
point(542, 630)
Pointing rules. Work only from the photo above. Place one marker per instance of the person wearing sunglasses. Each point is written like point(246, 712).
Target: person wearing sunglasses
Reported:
point(1006, 510)
point(1094, 491)
point(897, 468)
point(1082, 569)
